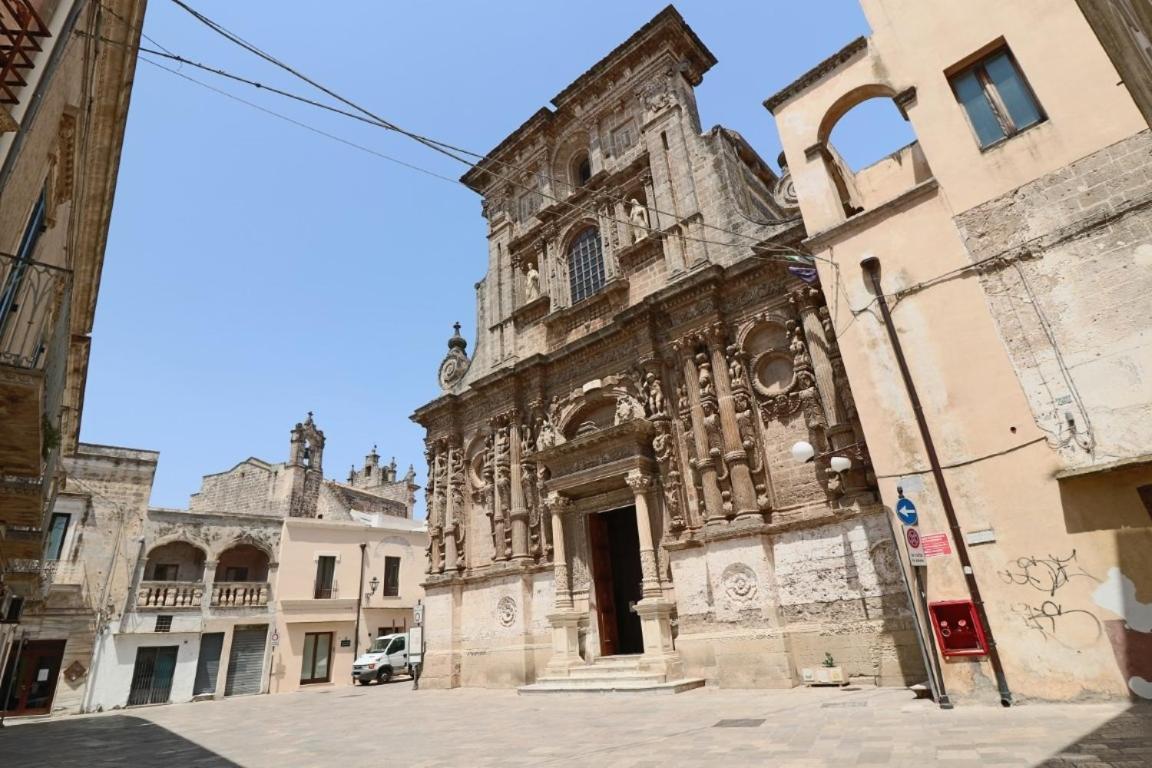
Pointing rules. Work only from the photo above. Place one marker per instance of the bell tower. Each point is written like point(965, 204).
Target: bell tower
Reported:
point(306, 465)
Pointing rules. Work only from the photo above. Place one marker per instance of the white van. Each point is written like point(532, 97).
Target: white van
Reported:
point(388, 656)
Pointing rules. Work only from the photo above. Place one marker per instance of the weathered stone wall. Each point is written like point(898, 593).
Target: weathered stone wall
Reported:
point(1069, 272)
point(252, 487)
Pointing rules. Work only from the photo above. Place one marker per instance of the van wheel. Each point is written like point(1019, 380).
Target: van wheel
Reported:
point(362, 681)
point(385, 675)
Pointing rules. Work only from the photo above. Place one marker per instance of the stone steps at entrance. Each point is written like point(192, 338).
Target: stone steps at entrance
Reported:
point(613, 674)
point(568, 685)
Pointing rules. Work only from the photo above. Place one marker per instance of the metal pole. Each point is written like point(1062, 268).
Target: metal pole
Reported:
point(935, 679)
point(871, 267)
point(359, 598)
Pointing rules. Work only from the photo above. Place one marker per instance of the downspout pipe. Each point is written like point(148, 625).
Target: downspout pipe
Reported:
point(871, 267)
point(359, 602)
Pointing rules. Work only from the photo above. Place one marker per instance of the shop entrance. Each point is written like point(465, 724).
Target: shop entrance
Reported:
point(614, 545)
point(30, 681)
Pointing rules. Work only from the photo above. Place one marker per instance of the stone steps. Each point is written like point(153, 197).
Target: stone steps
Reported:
point(567, 685)
point(615, 674)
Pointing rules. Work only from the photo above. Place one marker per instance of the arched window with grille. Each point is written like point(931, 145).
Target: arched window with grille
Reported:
point(585, 265)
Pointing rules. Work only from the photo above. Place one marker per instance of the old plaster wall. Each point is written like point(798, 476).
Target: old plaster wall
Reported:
point(252, 487)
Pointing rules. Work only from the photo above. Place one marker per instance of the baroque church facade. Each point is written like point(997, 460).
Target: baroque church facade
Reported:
point(612, 490)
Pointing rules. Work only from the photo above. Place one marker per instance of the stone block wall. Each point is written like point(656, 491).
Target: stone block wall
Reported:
point(1069, 272)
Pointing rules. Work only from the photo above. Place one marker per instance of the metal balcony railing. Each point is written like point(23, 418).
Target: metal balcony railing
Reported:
point(22, 28)
point(35, 299)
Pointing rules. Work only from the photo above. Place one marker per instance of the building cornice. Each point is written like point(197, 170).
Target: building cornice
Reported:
point(817, 73)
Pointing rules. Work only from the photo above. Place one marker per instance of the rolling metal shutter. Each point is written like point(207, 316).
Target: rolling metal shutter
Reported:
point(208, 665)
point(246, 660)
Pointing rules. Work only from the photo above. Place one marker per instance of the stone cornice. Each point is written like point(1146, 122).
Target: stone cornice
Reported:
point(814, 75)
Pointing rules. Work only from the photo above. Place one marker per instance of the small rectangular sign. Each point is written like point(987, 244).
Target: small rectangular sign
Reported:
point(986, 536)
point(915, 545)
point(415, 645)
point(936, 545)
point(418, 614)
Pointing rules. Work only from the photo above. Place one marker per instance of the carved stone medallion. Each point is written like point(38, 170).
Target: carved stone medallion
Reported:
point(739, 583)
point(506, 611)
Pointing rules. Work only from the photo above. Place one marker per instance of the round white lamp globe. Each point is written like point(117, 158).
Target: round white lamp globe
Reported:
point(840, 464)
point(803, 451)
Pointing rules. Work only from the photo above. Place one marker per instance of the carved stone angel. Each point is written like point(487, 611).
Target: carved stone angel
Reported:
point(705, 376)
point(654, 395)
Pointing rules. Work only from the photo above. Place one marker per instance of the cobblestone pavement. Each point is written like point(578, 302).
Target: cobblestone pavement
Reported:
point(392, 724)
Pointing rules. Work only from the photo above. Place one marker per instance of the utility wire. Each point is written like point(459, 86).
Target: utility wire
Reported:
point(455, 152)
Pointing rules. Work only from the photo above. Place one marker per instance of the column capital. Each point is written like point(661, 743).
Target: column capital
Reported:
point(638, 481)
point(558, 503)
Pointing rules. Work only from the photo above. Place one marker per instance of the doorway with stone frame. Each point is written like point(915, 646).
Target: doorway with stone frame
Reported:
point(614, 550)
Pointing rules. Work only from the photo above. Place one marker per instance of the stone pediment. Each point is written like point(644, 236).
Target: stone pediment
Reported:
point(590, 462)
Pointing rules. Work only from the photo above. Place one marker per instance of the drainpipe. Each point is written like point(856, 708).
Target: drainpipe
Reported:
point(359, 600)
point(871, 267)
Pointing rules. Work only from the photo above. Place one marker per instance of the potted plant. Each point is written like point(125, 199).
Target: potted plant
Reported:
point(829, 673)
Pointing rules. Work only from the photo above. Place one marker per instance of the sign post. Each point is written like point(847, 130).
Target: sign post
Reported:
point(416, 644)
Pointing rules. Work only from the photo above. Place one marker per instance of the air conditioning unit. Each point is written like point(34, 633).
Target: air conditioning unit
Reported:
point(11, 605)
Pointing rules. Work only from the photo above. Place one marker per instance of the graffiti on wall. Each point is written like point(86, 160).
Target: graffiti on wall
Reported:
point(1046, 612)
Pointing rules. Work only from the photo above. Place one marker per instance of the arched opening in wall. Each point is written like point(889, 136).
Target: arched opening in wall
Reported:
point(242, 562)
point(175, 561)
point(869, 132)
point(580, 170)
point(869, 149)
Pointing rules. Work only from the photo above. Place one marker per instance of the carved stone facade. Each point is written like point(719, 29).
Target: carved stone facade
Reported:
point(662, 372)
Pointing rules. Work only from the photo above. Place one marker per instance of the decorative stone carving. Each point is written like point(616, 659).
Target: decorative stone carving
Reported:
point(656, 94)
point(653, 395)
point(744, 424)
point(545, 433)
point(784, 193)
point(735, 367)
point(664, 448)
point(704, 376)
point(739, 583)
point(627, 409)
point(638, 217)
point(506, 611)
point(455, 363)
point(711, 423)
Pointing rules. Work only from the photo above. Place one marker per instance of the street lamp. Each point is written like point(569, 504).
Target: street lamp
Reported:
point(374, 584)
point(803, 452)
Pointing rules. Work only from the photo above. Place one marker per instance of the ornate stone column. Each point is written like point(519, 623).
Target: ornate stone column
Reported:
point(641, 483)
point(500, 492)
point(743, 490)
point(209, 580)
point(805, 301)
point(452, 504)
point(519, 512)
point(705, 462)
point(557, 504)
point(565, 620)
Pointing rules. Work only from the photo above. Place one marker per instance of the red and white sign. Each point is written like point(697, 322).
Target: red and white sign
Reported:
point(915, 546)
point(936, 545)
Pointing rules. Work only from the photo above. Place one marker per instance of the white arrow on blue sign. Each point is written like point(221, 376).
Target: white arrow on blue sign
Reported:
point(906, 511)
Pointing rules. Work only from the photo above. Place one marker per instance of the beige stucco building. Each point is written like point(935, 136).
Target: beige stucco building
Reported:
point(1011, 244)
point(329, 612)
point(66, 70)
point(612, 498)
point(152, 605)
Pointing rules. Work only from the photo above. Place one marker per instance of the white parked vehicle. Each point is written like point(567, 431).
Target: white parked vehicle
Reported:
point(388, 656)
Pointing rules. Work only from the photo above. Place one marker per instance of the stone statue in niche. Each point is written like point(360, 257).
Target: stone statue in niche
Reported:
point(526, 442)
point(711, 426)
point(531, 284)
point(798, 348)
point(735, 366)
point(501, 447)
point(743, 405)
point(638, 217)
point(654, 395)
point(545, 434)
point(707, 387)
point(682, 396)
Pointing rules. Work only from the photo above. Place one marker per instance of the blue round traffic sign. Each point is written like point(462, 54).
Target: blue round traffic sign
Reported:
point(906, 511)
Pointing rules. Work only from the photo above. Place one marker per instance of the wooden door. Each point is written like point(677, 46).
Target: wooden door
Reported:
point(600, 549)
point(33, 677)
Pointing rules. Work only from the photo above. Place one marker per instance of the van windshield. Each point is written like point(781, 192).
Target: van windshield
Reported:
point(380, 644)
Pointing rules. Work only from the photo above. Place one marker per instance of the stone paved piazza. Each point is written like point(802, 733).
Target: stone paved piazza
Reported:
point(378, 725)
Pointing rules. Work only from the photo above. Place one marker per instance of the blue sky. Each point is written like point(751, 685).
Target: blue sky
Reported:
point(256, 270)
